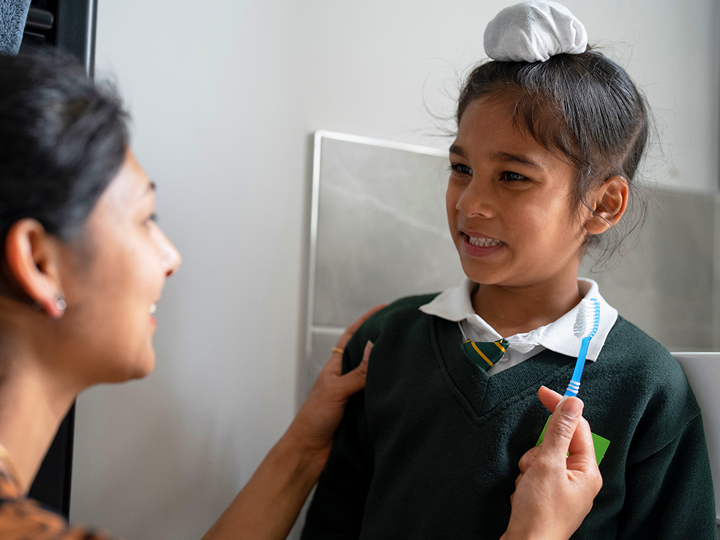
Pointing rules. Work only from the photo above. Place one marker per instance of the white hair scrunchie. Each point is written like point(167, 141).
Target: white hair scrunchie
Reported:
point(533, 32)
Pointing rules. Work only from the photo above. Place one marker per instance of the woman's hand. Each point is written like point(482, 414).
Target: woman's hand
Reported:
point(555, 491)
point(268, 505)
point(314, 426)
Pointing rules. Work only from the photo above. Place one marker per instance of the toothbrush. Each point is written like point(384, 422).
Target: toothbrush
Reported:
point(586, 326)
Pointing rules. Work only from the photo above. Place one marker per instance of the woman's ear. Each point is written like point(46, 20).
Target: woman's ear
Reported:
point(609, 202)
point(31, 255)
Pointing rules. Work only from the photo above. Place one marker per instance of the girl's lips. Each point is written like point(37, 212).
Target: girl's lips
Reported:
point(479, 251)
point(153, 321)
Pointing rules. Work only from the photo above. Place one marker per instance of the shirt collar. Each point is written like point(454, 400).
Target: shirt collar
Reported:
point(455, 305)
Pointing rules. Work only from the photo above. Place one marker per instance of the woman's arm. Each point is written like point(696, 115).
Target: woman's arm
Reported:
point(268, 505)
point(559, 479)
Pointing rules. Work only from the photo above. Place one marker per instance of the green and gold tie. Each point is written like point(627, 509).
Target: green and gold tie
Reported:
point(485, 353)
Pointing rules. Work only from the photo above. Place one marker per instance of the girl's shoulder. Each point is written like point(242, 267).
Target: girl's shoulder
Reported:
point(629, 343)
point(398, 319)
point(406, 307)
point(643, 371)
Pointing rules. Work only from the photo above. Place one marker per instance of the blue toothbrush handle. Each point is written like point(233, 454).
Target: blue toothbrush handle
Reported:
point(574, 385)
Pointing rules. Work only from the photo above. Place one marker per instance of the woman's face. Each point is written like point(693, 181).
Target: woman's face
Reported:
point(115, 279)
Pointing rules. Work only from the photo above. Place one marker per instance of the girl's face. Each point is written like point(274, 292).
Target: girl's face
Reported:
point(509, 203)
point(115, 277)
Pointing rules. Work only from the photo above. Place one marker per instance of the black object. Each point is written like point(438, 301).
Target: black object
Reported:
point(52, 483)
point(69, 25)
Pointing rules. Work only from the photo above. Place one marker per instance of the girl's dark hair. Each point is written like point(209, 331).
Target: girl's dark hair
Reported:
point(583, 106)
point(62, 140)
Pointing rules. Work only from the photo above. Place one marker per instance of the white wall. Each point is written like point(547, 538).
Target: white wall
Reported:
point(224, 96)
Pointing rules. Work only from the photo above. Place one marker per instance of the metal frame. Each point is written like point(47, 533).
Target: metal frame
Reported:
point(76, 29)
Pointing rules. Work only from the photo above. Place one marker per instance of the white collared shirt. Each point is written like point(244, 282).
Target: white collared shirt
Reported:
point(456, 305)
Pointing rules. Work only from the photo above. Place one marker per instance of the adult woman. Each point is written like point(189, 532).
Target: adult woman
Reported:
point(82, 268)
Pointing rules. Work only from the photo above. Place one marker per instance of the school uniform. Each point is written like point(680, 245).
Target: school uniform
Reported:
point(430, 448)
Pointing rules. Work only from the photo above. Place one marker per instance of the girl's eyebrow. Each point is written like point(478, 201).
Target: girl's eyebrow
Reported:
point(516, 158)
point(455, 149)
point(505, 157)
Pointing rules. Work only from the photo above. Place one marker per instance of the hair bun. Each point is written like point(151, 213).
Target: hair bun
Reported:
point(533, 32)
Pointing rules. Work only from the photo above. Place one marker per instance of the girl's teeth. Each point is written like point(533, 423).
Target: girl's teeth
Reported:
point(153, 307)
point(484, 242)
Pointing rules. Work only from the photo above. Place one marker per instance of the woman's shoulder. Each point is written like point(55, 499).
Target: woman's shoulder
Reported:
point(25, 519)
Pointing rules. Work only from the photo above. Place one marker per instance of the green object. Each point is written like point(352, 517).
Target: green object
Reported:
point(600, 443)
point(485, 353)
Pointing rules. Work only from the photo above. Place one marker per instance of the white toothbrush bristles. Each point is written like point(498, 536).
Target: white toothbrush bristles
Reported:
point(588, 318)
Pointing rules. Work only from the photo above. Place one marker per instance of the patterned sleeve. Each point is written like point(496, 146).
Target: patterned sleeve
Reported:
point(24, 519)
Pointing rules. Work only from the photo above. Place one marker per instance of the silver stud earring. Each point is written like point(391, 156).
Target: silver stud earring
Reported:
point(60, 301)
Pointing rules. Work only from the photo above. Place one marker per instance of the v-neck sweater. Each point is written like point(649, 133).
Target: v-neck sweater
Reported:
point(430, 448)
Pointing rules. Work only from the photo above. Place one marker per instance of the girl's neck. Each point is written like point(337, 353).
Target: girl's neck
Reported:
point(515, 310)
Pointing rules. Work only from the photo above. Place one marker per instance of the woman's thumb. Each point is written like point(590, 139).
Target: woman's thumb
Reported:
point(562, 425)
point(354, 380)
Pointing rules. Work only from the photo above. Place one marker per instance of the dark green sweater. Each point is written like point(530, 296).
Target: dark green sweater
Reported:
point(430, 449)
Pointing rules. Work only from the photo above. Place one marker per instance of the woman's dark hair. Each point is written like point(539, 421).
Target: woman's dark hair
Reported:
point(583, 106)
point(62, 140)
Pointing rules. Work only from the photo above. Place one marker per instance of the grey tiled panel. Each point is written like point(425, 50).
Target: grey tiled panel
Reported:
point(662, 279)
point(382, 231)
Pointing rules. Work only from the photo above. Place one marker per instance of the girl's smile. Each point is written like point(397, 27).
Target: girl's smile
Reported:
point(478, 245)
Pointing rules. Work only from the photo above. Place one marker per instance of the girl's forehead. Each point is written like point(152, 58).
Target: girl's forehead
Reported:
point(489, 125)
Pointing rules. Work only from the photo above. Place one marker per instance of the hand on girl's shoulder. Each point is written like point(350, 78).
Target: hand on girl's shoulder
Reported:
point(374, 326)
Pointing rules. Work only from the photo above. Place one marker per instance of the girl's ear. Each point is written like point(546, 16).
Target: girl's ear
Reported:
point(609, 202)
point(31, 255)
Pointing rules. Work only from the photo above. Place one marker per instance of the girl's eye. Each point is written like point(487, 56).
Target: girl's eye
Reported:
point(460, 168)
point(509, 176)
point(152, 217)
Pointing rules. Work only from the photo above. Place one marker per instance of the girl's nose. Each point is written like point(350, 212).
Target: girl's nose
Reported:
point(476, 199)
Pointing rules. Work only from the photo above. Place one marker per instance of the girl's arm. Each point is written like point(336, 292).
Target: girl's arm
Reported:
point(558, 480)
point(268, 505)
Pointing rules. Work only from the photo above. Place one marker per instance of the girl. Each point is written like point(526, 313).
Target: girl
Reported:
point(549, 138)
point(82, 266)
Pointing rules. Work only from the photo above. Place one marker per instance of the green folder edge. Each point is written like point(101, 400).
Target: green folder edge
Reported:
point(600, 443)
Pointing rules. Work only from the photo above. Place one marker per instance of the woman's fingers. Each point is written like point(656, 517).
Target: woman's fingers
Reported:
point(561, 427)
point(354, 380)
point(343, 341)
point(528, 459)
point(571, 432)
point(333, 367)
point(549, 398)
point(582, 453)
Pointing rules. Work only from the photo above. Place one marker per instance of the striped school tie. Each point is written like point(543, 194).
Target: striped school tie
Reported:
point(485, 353)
